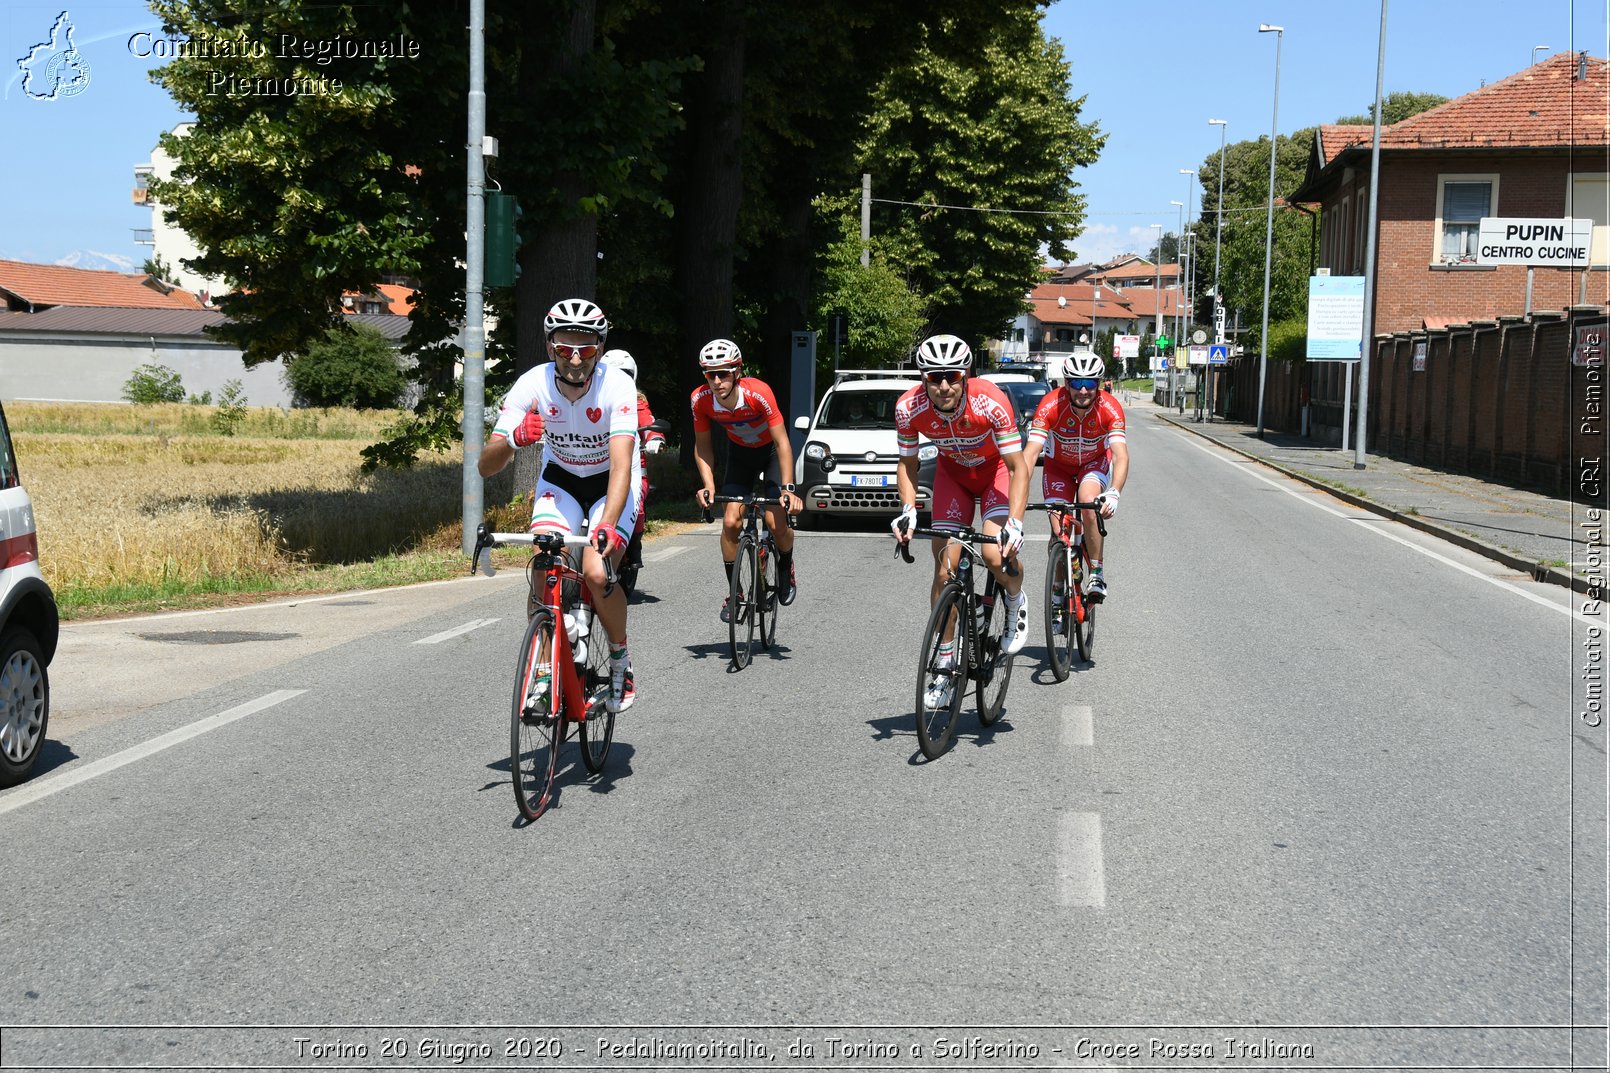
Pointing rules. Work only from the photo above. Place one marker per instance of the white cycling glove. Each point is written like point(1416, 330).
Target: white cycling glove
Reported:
point(654, 447)
point(904, 522)
point(1109, 502)
point(1011, 537)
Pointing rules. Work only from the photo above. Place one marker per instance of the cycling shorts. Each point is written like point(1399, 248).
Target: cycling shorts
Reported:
point(959, 489)
point(1062, 485)
point(561, 498)
point(746, 465)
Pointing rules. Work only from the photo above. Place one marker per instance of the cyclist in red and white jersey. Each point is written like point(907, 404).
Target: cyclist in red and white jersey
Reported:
point(758, 448)
point(980, 466)
point(585, 415)
point(1081, 430)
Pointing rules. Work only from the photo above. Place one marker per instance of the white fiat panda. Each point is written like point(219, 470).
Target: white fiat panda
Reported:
point(28, 626)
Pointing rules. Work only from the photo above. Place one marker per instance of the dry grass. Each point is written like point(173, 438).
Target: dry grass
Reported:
point(183, 419)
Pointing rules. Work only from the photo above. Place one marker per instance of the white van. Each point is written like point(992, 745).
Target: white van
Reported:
point(28, 626)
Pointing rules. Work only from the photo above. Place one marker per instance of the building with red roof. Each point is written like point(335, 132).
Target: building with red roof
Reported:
point(1533, 145)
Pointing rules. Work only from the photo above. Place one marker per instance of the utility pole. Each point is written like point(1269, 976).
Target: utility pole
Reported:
point(1369, 257)
point(1269, 227)
point(866, 218)
point(474, 427)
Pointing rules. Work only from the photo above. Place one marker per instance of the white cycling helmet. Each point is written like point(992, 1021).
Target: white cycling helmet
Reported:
point(944, 352)
point(720, 354)
point(578, 314)
point(1086, 365)
point(622, 360)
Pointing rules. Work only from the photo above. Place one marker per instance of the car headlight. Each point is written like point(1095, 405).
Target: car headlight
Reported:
point(815, 452)
point(927, 453)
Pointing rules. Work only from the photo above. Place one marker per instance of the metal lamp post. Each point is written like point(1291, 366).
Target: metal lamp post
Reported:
point(1188, 287)
point(1367, 334)
point(1218, 239)
point(1157, 307)
point(1269, 226)
point(1179, 250)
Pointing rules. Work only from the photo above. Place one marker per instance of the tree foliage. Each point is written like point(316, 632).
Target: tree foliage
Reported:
point(352, 366)
point(152, 382)
point(1395, 107)
point(985, 127)
point(885, 315)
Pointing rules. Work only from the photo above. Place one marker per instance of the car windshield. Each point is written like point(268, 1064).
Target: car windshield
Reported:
point(1025, 397)
point(860, 409)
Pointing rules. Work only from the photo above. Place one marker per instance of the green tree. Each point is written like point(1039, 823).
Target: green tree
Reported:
point(1396, 107)
point(886, 315)
point(152, 382)
point(352, 366)
point(231, 408)
point(985, 126)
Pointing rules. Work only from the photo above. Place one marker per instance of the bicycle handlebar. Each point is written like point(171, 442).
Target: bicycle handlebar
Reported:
point(1070, 508)
point(966, 537)
point(552, 543)
point(759, 501)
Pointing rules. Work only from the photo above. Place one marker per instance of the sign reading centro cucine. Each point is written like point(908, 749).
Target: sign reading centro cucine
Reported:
point(1510, 240)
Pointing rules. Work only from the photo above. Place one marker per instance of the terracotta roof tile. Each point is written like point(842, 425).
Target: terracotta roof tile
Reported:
point(53, 285)
point(1332, 138)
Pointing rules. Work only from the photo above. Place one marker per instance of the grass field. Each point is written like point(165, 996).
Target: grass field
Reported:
point(145, 507)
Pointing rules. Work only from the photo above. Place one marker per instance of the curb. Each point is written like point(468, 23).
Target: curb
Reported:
point(1550, 574)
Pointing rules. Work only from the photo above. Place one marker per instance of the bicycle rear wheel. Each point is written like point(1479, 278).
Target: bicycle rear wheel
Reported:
point(767, 600)
point(994, 666)
point(741, 603)
point(1058, 611)
point(536, 727)
point(937, 725)
point(598, 730)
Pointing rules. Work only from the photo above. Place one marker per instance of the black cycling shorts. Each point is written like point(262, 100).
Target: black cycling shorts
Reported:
point(746, 465)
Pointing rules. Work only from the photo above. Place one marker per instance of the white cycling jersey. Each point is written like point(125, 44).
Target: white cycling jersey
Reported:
point(575, 435)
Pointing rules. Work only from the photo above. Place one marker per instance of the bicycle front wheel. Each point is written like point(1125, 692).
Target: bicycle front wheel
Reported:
point(1082, 619)
point(741, 603)
point(1058, 611)
point(994, 665)
point(536, 727)
point(597, 731)
point(942, 682)
point(767, 600)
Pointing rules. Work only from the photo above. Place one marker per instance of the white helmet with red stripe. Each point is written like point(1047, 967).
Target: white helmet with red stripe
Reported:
point(720, 354)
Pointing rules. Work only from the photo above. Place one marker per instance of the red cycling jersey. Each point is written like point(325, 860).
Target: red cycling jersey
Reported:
point(748, 422)
point(981, 428)
point(1074, 439)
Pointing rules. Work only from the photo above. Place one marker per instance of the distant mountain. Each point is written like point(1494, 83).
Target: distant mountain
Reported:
point(106, 262)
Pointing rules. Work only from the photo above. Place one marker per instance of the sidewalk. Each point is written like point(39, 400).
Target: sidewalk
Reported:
point(1536, 534)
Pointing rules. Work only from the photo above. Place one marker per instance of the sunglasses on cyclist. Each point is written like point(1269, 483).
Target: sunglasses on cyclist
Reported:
point(720, 374)
point(943, 376)
point(1083, 383)
point(584, 351)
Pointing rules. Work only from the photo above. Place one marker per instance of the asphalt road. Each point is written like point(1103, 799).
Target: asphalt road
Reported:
point(1322, 788)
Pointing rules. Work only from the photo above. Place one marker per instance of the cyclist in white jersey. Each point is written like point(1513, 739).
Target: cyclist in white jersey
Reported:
point(585, 415)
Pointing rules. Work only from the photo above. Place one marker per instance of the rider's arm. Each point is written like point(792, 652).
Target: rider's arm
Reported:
point(1019, 470)
point(514, 411)
point(622, 453)
point(905, 479)
point(1120, 465)
point(785, 461)
point(704, 460)
point(497, 453)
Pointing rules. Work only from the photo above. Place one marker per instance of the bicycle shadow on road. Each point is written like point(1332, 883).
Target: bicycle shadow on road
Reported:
point(968, 731)
point(572, 774)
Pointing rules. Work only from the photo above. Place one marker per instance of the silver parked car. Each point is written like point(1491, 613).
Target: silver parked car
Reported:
point(28, 626)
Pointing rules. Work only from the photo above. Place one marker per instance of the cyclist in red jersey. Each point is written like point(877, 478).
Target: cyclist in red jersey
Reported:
point(1081, 430)
point(652, 442)
point(758, 448)
point(980, 466)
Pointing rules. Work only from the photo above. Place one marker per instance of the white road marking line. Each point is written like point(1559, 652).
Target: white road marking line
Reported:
point(1078, 726)
point(1371, 528)
point(456, 631)
point(659, 555)
point(50, 785)
point(1081, 878)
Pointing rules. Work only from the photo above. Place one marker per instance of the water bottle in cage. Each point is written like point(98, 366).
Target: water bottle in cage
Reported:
point(584, 623)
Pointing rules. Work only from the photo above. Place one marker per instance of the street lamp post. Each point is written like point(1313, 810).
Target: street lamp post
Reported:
point(1369, 256)
point(1157, 307)
point(1218, 238)
point(1179, 251)
point(1269, 226)
point(1189, 288)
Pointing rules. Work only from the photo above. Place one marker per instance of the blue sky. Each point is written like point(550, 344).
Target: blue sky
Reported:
point(69, 169)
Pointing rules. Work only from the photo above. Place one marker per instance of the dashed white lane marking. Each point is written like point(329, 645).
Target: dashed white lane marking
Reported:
point(1370, 526)
point(659, 555)
point(456, 631)
point(50, 785)
point(1078, 726)
point(1081, 877)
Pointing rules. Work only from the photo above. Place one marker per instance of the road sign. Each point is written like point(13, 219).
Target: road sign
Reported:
point(1199, 355)
point(1510, 240)
point(1219, 354)
point(1128, 346)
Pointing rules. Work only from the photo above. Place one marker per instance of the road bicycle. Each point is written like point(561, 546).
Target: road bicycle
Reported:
point(1070, 619)
point(975, 623)
point(752, 596)
point(562, 673)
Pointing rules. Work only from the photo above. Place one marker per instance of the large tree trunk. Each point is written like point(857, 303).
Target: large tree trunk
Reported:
point(558, 258)
point(707, 216)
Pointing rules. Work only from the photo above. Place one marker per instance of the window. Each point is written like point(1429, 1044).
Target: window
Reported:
point(1462, 200)
point(1590, 200)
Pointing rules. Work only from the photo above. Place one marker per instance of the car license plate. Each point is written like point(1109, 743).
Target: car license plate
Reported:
point(876, 481)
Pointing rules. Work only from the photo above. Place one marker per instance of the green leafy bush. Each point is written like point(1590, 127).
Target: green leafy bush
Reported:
point(153, 383)
point(353, 366)
point(231, 408)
